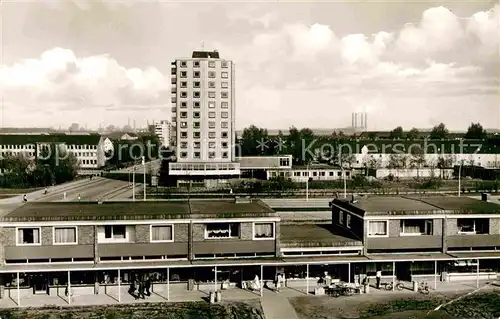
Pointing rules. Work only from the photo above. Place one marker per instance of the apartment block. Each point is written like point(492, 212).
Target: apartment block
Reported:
point(162, 130)
point(203, 106)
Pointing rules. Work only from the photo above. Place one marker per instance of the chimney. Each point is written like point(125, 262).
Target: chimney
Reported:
point(366, 121)
point(352, 120)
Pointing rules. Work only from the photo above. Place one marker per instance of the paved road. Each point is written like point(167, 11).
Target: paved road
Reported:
point(153, 165)
point(96, 190)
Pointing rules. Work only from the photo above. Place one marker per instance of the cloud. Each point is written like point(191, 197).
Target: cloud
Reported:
point(60, 80)
point(432, 51)
point(285, 67)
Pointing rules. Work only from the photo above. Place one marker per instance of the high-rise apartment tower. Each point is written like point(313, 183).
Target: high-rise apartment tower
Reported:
point(203, 131)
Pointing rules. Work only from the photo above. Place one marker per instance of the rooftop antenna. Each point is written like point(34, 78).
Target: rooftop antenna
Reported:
point(202, 45)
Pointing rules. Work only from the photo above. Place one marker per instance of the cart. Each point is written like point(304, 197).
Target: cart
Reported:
point(341, 289)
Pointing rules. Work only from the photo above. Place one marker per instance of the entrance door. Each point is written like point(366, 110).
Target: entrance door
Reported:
point(403, 271)
point(40, 285)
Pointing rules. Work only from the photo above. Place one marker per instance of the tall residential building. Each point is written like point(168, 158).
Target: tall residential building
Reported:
point(203, 132)
point(162, 130)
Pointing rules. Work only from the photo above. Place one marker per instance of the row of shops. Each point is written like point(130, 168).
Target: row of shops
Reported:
point(212, 276)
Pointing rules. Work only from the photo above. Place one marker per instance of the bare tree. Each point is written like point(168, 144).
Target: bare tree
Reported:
point(417, 159)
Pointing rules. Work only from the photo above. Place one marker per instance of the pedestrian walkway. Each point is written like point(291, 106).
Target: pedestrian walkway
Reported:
point(277, 306)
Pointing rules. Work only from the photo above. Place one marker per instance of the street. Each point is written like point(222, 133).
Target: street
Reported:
point(97, 189)
point(150, 166)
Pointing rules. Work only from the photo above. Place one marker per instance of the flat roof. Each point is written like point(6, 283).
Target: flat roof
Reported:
point(383, 205)
point(391, 203)
point(462, 204)
point(415, 256)
point(314, 235)
point(93, 211)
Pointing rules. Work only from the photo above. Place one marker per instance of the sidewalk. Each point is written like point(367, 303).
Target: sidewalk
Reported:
point(277, 306)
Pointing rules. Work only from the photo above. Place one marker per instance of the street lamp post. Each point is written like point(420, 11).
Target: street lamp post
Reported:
point(144, 171)
point(345, 182)
point(133, 183)
point(307, 184)
point(460, 178)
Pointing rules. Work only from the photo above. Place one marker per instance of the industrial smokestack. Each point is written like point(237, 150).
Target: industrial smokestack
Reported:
point(352, 121)
point(366, 121)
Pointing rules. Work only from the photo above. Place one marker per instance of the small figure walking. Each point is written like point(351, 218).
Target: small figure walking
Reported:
point(147, 286)
point(79, 197)
point(379, 277)
point(141, 289)
point(25, 198)
point(67, 293)
point(278, 282)
point(64, 195)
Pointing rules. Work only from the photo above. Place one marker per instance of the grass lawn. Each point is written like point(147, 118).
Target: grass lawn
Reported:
point(394, 306)
point(181, 310)
point(3, 196)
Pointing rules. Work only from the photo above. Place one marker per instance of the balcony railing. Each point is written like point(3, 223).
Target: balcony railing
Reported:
point(206, 169)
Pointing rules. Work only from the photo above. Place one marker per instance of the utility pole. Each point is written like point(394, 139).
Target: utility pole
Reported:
point(133, 184)
point(307, 183)
point(345, 183)
point(144, 168)
point(460, 178)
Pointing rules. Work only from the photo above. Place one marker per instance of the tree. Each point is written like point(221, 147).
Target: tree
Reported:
point(397, 161)
point(55, 165)
point(374, 163)
point(417, 159)
point(439, 132)
point(299, 141)
point(16, 171)
point(372, 136)
point(475, 132)
point(280, 146)
point(396, 133)
point(347, 160)
point(254, 141)
point(394, 161)
point(412, 134)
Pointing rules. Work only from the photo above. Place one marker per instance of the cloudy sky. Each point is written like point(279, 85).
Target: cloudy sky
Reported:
point(308, 64)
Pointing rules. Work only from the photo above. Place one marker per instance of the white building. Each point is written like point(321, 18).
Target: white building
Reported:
point(203, 132)
point(162, 130)
point(88, 149)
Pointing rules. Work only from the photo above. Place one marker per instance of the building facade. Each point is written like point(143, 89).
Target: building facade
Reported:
point(162, 130)
point(203, 106)
point(88, 149)
point(202, 244)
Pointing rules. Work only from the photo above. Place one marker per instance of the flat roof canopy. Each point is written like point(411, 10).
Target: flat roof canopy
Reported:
point(384, 205)
point(84, 211)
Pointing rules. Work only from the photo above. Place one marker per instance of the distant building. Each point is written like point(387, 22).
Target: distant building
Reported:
point(87, 148)
point(162, 130)
point(203, 131)
point(128, 137)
